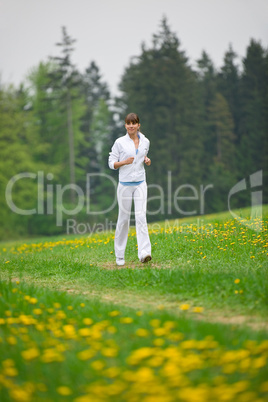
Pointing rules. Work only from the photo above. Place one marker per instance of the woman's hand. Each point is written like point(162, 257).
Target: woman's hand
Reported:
point(147, 161)
point(129, 160)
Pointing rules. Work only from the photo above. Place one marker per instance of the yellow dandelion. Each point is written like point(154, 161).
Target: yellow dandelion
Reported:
point(10, 372)
point(87, 321)
point(30, 354)
point(112, 372)
point(237, 281)
point(11, 340)
point(8, 363)
point(85, 332)
point(139, 313)
point(37, 311)
point(155, 323)
point(33, 300)
point(198, 309)
point(97, 365)
point(264, 387)
point(111, 329)
point(64, 391)
point(8, 313)
point(184, 307)
point(126, 320)
point(159, 342)
point(109, 352)
point(86, 354)
point(160, 331)
point(142, 332)
point(114, 313)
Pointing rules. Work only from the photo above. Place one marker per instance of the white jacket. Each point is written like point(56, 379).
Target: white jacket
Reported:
point(124, 148)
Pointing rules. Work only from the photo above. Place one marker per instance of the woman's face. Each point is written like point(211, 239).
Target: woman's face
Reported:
point(132, 128)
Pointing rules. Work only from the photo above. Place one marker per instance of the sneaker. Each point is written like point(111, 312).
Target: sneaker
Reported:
point(145, 257)
point(120, 261)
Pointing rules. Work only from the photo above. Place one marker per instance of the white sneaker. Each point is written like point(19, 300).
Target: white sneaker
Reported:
point(120, 261)
point(145, 257)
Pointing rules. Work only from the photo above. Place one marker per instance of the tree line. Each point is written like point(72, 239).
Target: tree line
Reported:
point(207, 127)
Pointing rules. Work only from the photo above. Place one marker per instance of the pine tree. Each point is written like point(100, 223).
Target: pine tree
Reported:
point(206, 76)
point(97, 98)
point(18, 151)
point(219, 130)
point(253, 125)
point(221, 123)
point(229, 86)
point(64, 84)
point(48, 121)
point(221, 172)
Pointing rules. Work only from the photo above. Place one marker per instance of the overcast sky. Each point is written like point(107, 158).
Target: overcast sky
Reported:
point(110, 32)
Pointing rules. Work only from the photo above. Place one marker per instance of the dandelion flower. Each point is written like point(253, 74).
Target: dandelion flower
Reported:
point(37, 311)
point(87, 321)
point(184, 307)
point(198, 309)
point(64, 391)
point(30, 354)
point(114, 313)
point(126, 320)
point(142, 332)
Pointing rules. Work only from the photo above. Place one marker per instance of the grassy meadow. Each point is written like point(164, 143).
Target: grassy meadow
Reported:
point(191, 325)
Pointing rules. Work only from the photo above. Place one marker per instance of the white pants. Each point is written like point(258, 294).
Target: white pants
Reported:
point(125, 194)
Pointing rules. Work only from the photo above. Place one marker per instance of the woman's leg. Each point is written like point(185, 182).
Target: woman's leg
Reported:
point(124, 199)
point(140, 202)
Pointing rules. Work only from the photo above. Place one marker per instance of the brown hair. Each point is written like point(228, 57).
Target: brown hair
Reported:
point(132, 118)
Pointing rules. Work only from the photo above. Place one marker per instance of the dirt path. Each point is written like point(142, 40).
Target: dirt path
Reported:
point(145, 302)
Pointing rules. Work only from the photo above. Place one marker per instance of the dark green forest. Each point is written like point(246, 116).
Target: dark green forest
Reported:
point(207, 127)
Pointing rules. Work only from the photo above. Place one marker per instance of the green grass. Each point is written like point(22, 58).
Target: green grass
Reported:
point(206, 284)
point(193, 262)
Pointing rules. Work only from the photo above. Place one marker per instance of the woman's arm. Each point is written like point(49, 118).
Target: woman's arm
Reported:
point(113, 156)
point(127, 161)
point(147, 161)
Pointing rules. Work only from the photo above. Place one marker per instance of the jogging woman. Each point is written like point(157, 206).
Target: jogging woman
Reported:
point(129, 154)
